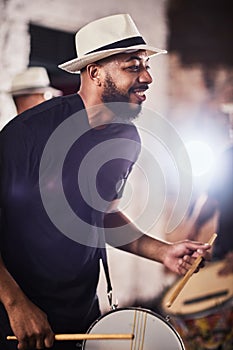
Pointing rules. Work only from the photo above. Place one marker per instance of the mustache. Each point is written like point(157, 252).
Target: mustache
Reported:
point(143, 87)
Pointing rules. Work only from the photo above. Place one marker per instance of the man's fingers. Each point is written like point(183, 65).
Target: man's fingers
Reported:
point(36, 342)
point(22, 345)
point(40, 342)
point(49, 340)
point(29, 343)
point(196, 246)
point(184, 265)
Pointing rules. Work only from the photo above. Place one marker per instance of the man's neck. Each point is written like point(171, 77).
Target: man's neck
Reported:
point(98, 114)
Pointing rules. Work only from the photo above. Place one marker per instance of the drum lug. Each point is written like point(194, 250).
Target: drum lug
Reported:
point(78, 346)
point(113, 306)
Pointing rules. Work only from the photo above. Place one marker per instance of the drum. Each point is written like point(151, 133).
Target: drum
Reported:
point(151, 331)
point(203, 312)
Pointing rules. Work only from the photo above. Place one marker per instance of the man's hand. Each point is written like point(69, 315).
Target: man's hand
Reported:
point(30, 325)
point(179, 257)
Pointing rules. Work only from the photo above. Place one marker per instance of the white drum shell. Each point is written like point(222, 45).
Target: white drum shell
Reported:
point(151, 331)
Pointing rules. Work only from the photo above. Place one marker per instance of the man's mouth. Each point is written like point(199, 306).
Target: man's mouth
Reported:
point(140, 93)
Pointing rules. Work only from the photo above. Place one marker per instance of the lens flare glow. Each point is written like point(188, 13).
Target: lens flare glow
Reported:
point(201, 157)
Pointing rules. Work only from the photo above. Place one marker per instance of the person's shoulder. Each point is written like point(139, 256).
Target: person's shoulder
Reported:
point(45, 116)
point(57, 107)
point(130, 131)
point(14, 135)
point(48, 114)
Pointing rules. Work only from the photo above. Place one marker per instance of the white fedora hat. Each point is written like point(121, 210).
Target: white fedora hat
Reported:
point(105, 37)
point(33, 80)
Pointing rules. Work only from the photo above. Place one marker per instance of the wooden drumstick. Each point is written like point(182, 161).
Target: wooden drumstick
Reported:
point(188, 274)
point(87, 337)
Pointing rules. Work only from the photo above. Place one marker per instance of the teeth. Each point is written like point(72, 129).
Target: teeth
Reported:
point(140, 93)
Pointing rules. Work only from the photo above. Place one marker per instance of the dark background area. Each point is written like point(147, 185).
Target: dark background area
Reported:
point(201, 31)
point(50, 47)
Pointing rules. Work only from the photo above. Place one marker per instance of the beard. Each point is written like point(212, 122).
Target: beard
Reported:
point(118, 101)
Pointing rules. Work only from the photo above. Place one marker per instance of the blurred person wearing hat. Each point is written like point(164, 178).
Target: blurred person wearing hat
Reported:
point(218, 201)
point(31, 87)
point(53, 231)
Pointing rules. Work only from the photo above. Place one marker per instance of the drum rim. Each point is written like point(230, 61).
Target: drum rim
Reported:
point(140, 309)
point(200, 314)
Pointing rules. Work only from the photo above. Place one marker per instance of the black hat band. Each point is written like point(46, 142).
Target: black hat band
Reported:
point(136, 40)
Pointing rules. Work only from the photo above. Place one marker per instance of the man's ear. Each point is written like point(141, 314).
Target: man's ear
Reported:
point(93, 71)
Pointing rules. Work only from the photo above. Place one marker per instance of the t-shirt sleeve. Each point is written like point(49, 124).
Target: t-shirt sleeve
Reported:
point(122, 184)
point(128, 165)
point(113, 175)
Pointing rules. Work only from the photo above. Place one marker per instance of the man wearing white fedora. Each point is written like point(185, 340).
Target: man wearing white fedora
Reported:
point(31, 87)
point(63, 169)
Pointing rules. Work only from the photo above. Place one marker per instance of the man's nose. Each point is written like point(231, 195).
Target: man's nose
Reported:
point(145, 77)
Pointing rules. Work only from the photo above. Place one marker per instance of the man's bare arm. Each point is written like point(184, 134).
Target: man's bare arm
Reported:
point(178, 257)
point(29, 324)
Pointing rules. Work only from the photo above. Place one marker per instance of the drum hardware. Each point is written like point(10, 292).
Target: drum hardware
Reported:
point(151, 331)
point(113, 306)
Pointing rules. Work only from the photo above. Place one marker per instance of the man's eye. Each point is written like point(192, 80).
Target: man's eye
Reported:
point(134, 68)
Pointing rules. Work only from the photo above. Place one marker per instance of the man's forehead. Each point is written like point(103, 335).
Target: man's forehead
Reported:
point(132, 55)
point(140, 55)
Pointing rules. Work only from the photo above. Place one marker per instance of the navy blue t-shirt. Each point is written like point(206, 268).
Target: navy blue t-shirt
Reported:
point(57, 177)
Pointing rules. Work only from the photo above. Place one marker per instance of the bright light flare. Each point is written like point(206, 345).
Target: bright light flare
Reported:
point(201, 157)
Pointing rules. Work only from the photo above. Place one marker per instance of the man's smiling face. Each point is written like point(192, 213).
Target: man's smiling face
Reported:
point(126, 78)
